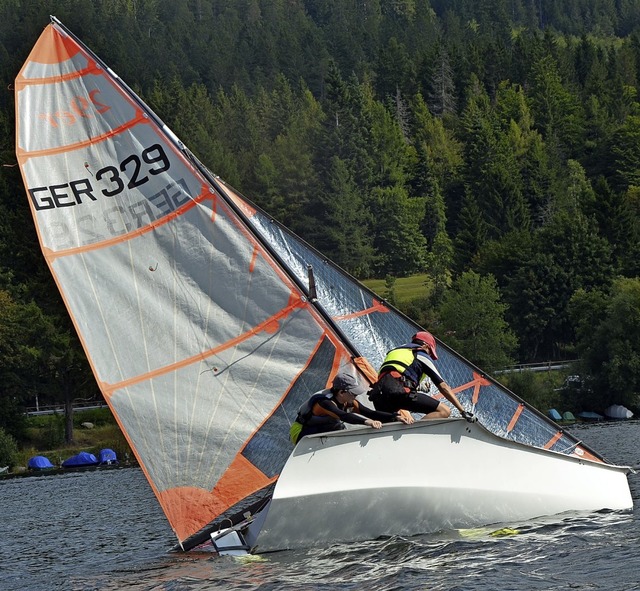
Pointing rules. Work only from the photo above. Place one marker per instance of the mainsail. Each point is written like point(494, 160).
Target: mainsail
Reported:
point(192, 304)
point(201, 345)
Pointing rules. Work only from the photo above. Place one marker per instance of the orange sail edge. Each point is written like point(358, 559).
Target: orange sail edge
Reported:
point(363, 364)
point(189, 509)
point(53, 47)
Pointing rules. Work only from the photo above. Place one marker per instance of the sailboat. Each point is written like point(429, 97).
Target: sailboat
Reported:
point(207, 324)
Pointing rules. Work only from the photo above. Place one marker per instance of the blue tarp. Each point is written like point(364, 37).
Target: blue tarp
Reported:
point(84, 458)
point(39, 463)
point(107, 456)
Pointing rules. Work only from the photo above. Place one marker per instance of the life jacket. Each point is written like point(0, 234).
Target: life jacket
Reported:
point(403, 361)
point(305, 412)
point(313, 423)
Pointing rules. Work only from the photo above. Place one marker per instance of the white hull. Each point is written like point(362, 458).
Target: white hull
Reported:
point(439, 474)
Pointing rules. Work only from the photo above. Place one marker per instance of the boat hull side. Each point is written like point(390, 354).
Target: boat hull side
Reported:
point(423, 478)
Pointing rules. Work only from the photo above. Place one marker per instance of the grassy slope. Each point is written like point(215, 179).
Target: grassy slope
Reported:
point(406, 289)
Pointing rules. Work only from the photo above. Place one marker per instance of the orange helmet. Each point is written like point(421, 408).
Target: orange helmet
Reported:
point(425, 338)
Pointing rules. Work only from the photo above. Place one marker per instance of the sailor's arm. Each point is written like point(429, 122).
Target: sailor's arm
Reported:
point(447, 392)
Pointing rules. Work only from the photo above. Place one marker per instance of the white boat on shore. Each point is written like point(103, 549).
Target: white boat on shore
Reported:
point(207, 324)
point(617, 411)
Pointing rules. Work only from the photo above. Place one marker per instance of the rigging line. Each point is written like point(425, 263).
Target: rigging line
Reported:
point(248, 399)
point(231, 430)
point(228, 366)
point(214, 411)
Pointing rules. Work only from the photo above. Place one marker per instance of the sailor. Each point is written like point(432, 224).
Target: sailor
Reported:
point(403, 370)
point(330, 409)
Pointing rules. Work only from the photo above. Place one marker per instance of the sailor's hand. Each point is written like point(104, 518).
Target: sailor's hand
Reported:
point(374, 424)
point(405, 417)
point(469, 417)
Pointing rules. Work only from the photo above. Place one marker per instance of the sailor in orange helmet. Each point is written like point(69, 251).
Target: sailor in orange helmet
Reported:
point(403, 369)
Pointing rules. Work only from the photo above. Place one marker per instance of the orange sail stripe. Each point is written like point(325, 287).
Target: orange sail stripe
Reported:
point(53, 48)
point(23, 155)
point(51, 255)
point(366, 368)
point(376, 307)
point(266, 325)
point(553, 440)
point(478, 382)
point(254, 256)
point(516, 416)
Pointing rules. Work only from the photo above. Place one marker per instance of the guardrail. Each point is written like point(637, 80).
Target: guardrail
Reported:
point(50, 409)
point(542, 366)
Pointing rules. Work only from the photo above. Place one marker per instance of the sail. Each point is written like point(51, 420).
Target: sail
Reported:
point(373, 327)
point(203, 347)
point(192, 304)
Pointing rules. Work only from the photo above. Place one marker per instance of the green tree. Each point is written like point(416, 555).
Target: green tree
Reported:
point(472, 233)
point(626, 230)
point(439, 263)
point(626, 150)
point(442, 91)
point(492, 172)
point(389, 293)
point(437, 148)
point(527, 146)
point(557, 111)
point(567, 254)
point(345, 222)
point(286, 178)
point(472, 317)
point(347, 129)
point(22, 332)
point(389, 151)
point(398, 239)
point(394, 69)
point(8, 450)
point(608, 328)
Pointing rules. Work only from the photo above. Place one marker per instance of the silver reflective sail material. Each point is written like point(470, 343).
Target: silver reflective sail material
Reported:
point(374, 327)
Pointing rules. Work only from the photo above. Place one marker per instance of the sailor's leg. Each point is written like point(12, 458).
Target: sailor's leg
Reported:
point(441, 412)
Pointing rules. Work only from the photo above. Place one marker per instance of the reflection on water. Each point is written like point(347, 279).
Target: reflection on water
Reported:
point(105, 531)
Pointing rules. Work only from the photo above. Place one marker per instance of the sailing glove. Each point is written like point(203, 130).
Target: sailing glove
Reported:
point(469, 417)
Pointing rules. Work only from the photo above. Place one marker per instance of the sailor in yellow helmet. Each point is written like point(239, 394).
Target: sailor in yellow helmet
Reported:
point(403, 369)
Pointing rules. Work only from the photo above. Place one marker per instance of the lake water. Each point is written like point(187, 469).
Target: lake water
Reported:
point(105, 531)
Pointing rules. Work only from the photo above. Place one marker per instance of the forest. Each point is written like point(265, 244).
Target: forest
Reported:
point(489, 145)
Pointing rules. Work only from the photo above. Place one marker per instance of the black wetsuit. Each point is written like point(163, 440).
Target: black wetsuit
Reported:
point(327, 414)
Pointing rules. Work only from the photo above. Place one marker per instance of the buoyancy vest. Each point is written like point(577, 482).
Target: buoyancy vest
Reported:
point(305, 412)
point(403, 360)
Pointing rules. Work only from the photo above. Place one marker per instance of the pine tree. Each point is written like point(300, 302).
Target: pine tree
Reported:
point(398, 239)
